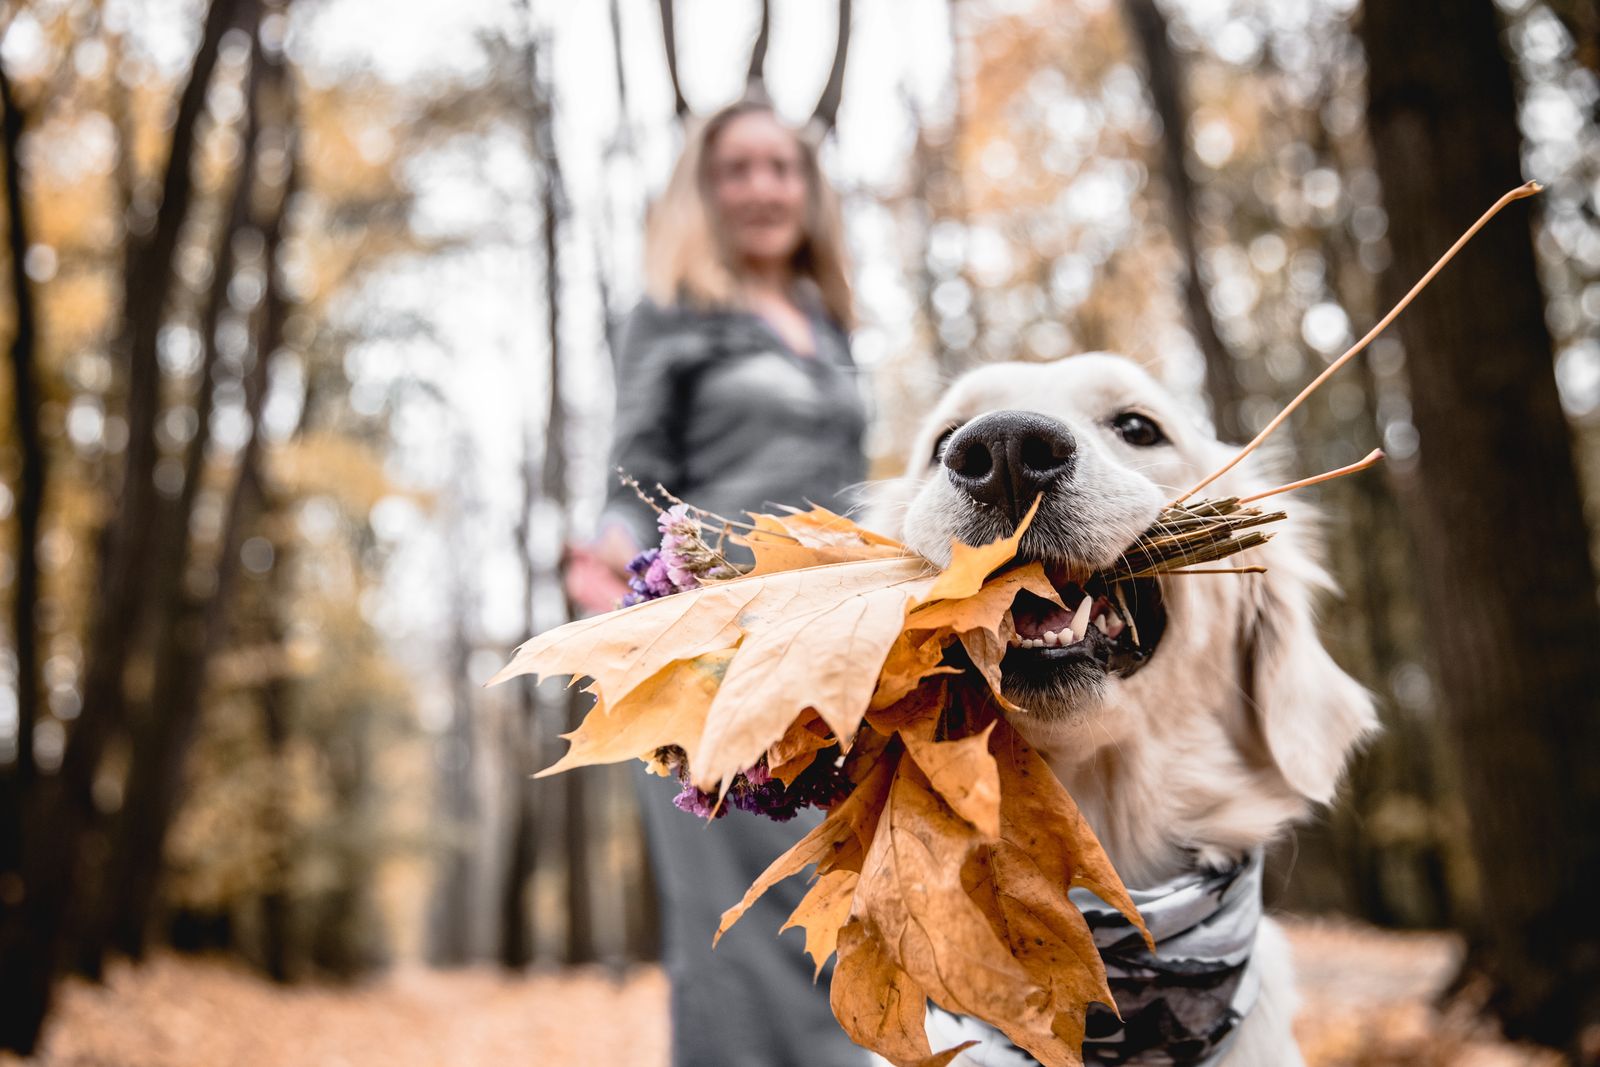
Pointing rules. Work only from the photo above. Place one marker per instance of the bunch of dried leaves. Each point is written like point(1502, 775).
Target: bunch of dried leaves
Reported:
point(943, 874)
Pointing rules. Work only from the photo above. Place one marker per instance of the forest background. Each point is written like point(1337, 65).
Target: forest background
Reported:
point(309, 316)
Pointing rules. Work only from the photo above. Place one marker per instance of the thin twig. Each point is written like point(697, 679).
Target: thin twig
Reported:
point(1360, 465)
point(702, 514)
point(1252, 569)
point(1520, 192)
point(638, 490)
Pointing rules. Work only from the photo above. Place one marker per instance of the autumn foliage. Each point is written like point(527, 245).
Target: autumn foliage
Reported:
point(944, 873)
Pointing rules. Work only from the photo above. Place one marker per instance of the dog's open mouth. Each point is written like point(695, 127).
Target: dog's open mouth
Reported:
point(1105, 628)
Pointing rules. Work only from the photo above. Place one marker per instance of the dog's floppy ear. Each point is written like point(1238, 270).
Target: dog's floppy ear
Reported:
point(1311, 713)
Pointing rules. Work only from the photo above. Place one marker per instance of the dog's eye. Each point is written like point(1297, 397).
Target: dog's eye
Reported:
point(939, 446)
point(1139, 430)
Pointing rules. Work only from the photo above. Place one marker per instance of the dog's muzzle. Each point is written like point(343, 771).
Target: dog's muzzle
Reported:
point(1007, 458)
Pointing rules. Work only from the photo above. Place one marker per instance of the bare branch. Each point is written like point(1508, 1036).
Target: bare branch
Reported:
point(622, 72)
point(1164, 76)
point(755, 82)
point(826, 116)
point(669, 38)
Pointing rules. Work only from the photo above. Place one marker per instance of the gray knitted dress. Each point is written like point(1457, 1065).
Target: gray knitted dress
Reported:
point(714, 406)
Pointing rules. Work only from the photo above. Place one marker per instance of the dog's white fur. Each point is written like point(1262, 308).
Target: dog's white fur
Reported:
point(1240, 722)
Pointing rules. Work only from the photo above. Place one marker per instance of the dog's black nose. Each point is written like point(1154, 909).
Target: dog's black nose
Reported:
point(1007, 458)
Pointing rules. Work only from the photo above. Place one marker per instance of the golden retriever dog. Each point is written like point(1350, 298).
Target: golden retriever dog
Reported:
point(1193, 718)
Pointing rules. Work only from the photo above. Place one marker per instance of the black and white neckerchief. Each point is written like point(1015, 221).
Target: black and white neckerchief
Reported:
point(1181, 1005)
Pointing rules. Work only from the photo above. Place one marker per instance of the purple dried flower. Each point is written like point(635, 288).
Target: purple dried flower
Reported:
point(656, 579)
point(649, 578)
point(680, 542)
point(675, 522)
point(637, 568)
point(821, 785)
point(698, 802)
point(769, 798)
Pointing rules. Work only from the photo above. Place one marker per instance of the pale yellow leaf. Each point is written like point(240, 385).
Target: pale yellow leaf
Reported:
point(621, 649)
point(823, 652)
point(985, 608)
point(668, 709)
point(781, 543)
point(822, 912)
point(970, 566)
point(819, 526)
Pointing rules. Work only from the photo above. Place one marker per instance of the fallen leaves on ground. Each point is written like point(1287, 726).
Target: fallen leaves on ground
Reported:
point(925, 884)
point(1368, 1000)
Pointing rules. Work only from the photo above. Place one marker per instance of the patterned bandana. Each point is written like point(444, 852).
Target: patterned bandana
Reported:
point(1181, 1005)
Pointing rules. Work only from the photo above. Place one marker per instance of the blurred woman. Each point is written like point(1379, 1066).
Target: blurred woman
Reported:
point(735, 389)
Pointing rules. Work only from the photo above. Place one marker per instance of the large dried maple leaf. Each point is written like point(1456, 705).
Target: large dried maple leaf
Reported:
point(943, 874)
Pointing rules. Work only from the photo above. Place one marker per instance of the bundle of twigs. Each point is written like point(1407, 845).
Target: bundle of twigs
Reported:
point(1185, 535)
point(1189, 535)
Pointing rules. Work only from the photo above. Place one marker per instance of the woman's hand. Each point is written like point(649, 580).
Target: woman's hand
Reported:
point(596, 573)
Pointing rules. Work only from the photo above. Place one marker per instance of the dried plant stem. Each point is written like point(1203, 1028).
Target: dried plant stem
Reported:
point(711, 518)
point(1360, 465)
point(1253, 569)
point(1520, 192)
point(702, 516)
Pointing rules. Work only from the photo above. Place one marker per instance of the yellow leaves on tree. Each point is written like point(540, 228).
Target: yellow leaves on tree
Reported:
point(944, 873)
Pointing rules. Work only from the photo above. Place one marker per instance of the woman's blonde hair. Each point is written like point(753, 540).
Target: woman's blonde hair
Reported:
point(686, 254)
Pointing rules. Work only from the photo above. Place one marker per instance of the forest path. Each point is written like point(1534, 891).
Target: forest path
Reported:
point(1367, 997)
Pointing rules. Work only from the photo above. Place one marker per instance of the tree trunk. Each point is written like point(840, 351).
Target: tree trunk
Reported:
point(518, 940)
point(277, 729)
point(33, 921)
point(517, 931)
point(17, 782)
point(1164, 77)
point(172, 609)
point(1509, 590)
point(156, 775)
point(450, 926)
point(580, 945)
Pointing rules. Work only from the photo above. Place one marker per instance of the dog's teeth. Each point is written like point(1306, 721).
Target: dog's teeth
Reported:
point(1051, 637)
point(1080, 620)
point(1100, 624)
point(1034, 642)
point(1115, 626)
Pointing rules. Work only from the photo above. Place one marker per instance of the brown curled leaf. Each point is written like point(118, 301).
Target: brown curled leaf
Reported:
point(911, 893)
point(839, 842)
point(877, 1003)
